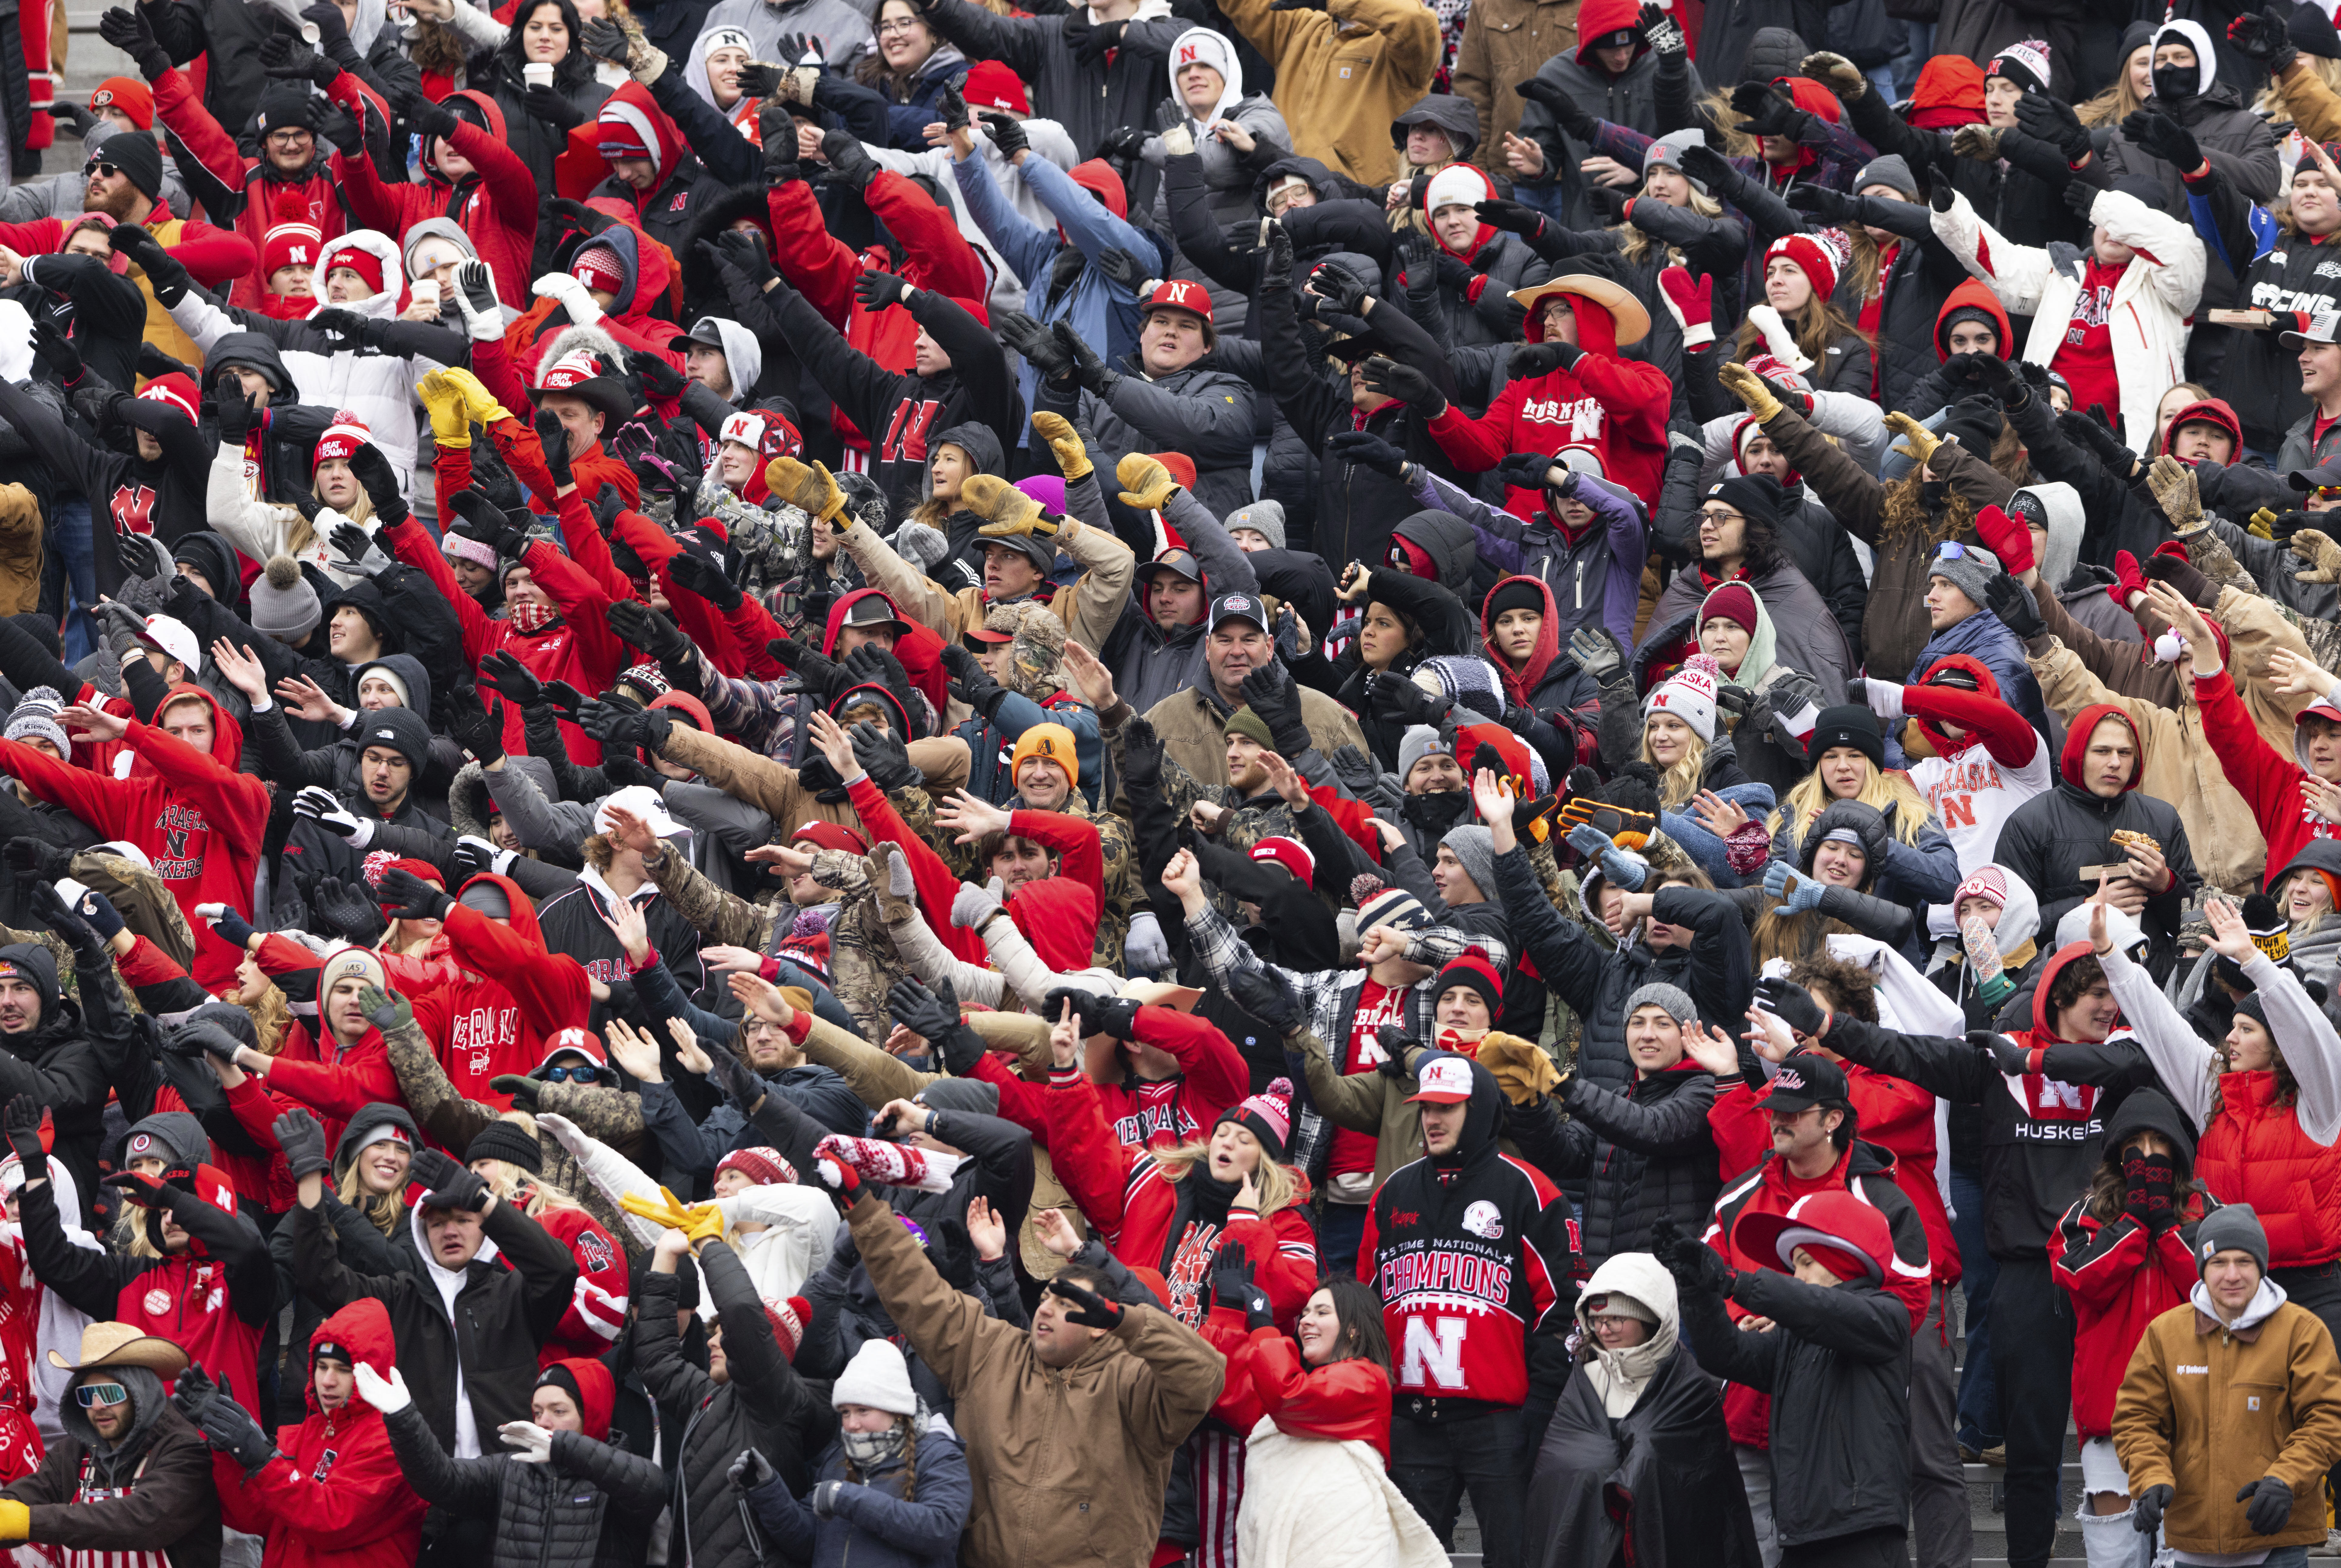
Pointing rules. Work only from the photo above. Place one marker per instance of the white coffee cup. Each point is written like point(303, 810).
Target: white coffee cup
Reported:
point(425, 291)
point(537, 75)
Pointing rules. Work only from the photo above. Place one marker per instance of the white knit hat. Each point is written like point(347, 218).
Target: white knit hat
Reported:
point(1690, 695)
point(876, 1377)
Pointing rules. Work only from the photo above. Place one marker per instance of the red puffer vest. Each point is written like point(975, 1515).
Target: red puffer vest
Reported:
point(2254, 1152)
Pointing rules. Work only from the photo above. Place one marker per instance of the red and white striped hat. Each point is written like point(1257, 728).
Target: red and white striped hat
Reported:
point(342, 440)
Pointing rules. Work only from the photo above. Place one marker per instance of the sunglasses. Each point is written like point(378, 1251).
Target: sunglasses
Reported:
point(2326, 492)
point(91, 1394)
point(1951, 549)
point(582, 1075)
point(98, 167)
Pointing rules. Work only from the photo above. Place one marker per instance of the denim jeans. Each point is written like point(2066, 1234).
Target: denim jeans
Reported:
point(1340, 1228)
point(69, 526)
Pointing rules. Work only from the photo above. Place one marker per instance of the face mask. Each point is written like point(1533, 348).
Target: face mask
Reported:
point(2174, 83)
point(1436, 813)
point(532, 616)
point(868, 1450)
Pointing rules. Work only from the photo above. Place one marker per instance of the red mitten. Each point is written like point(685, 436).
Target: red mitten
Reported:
point(892, 1165)
point(2172, 547)
point(1692, 305)
point(2128, 582)
point(2008, 538)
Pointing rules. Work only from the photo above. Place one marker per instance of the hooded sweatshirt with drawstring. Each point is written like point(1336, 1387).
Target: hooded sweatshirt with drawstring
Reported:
point(147, 1495)
point(494, 205)
point(197, 818)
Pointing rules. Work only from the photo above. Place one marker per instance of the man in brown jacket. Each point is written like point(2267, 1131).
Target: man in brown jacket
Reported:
point(1070, 1426)
point(2231, 1409)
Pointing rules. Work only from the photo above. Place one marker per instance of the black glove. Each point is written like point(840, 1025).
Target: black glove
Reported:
point(478, 731)
point(52, 911)
point(1007, 133)
point(1395, 1043)
point(2086, 430)
point(544, 102)
point(191, 1392)
point(2150, 1189)
point(1036, 343)
point(1116, 1016)
point(1531, 360)
point(2262, 40)
point(229, 1428)
point(1143, 752)
point(614, 724)
point(743, 1084)
point(450, 1185)
point(1403, 381)
point(370, 467)
point(2146, 1509)
point(951, 105)
point(1122, 267)
point(778, 130)
point(1366, 449)
point(929, 1014)
point(1695, 1265)
point(1830, 206)
point(1233, 1285)
point(303, 1142)
point(2005, 1054)
point(1395, 698)
point(1530, 471)
point(2052, 120)
point(191, 1042)
point(554, 440)
point(1262, 995)
point(508, 678)
point(1565, 110)
point(1122, 142)
point(1792, 1004)
point(347, 909)
point(127, 31)
point(1711, 169)
point(605, 40)
point(641, 627)
point(51, 347)
point(2271, 1505)
point(403, 896)
point(2013, 603)
point(1091, 40)
point(744, 253)
point(285, 57)
point(848, 160)
point(2159, 136)
point(1769, 111)
point(1276, 698)
point(811, 665)
point(704, 578)
point(1090, 371)
point(751, 1470)
point(1512, 217)
point(885, 758)
point(21, 1122)
point(971, 683)
point(234, 408)
point(1088, 1308)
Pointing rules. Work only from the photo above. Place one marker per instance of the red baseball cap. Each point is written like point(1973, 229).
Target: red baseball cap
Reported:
point(1445, 1081)
point(1181, 294)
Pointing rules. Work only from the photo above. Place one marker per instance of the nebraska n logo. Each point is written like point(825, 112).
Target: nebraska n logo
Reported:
point(133, 508)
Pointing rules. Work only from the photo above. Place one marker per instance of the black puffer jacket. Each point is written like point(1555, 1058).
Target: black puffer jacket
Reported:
point(1837, 1368)
point(362, 1249)
point(63, 1063)
point(1438, 306)
point(594, 1504)
point(762, 1404)
point(1203, 409)
point(1640, 1154)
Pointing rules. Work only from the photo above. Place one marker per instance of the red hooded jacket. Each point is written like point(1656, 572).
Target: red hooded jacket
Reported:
point(2117, 1289)
point(1340, 1402)
point(495, 207)
point(1614, 408)
point(597, 1308)
point(198, 819)
point(334, 1496)
point(513, 995)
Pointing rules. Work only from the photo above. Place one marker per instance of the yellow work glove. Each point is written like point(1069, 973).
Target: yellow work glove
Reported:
point(2260, 526)
point(1071, 453)
point(1522, 1070)
point(666, 1210)
point(444, 402)
point(1008, 510)
point(1146, 484)
point(1749, 388)
point(479, 403)
point(16, 1520)
point(1919, 443)
point(808, 488)
point(702, 1222)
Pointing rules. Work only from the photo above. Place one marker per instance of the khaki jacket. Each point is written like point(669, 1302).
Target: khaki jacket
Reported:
point(1189, 723)
point(1505, 42)
point(20, 551)
point(1069, 1465)
point(1343, 73)
point(2206, 1413)
point(1089, 607)
point(773, 787)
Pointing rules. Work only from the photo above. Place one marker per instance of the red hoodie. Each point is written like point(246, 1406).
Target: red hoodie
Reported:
point(2270, 783)
point(483, 1027)
point(919, 650)
point(198, 819)
point(495, 207)
point(2116, 1291)
point(334, 1496)
point(1614, 408)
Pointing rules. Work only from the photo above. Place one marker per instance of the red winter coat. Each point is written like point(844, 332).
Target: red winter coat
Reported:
point(198, 819)
point(1165, 1112)
point(2270, 783)
point(597, 1311)
point(1147, 1221)
point(1340, 1402)
point(1614, 408)
point(495, 207)
point(513, 995)
point(334, 1496)
point(2252, 1151)
point(2120, 1279)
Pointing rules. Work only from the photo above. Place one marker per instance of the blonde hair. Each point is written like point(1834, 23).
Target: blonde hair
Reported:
point(1810, 797)
point(1278, 1189)
point(2117, 102)
point(513, 1185)
point(1792, 936)
point(1678, 782)
point(271, 1017)
point(1634, 244)
point(382, 1210)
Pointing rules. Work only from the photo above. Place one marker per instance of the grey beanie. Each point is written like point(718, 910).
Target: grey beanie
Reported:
point(1476, 847)
point(1265, 516)
point(1970, 571)
point(177, 1138)
point(35, 719)
point(1891, 170)
point(1666, 152)
point(2232, 1227)
point(283, 605)
point(1673, 998)
point(1420, 740)
point(485, 898)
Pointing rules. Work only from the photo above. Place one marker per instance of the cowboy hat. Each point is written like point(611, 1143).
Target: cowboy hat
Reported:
point(119, 1344)
point(1633, 321)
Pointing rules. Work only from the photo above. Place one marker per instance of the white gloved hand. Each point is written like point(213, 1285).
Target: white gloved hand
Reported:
point(482, 326)
point(570, 291)
point(534, 1441)
point(211, 914)
point(1885, 698)
point(1146, 951)
point(389, 1394)
point(1778, 341)
point(322, 807)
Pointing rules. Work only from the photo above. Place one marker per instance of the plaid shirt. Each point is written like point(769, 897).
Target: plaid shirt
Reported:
point(1331, 996)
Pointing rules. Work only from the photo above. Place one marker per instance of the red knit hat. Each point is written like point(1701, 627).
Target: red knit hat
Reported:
point(1266, 1116)
point(290, 245)
point(1472, 970)
point(1734, 601)
point(340, 439)
point(762, 1164)
point(1819, 254)
point(359, 260)
point(177, 389)
point(788, 1319)
point(130, 95)
point(991, 85)
point(1289, 853)
point(829, 836)
point(598, 266)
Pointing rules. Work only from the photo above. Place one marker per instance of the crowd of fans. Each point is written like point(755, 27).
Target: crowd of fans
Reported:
point(1160, 782)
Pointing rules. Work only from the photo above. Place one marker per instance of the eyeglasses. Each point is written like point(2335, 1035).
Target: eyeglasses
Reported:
point(1605, 1321)
point(287, 138)
point(99, 167)
point(91, 1394)
point(579, 1075)
point(899, 24)
point(1720, 514)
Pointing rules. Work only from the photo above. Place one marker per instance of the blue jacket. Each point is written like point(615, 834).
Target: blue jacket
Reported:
point(1981, 636)
point(990, 745)
point(1102, 311)
point(869, 1526)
